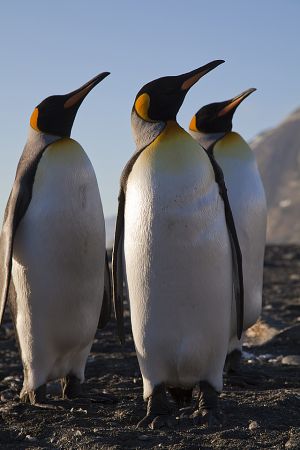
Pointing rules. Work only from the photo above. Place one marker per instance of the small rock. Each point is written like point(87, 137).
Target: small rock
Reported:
point(14, 386)
point(276, 360)
point(9, 378)
point(30, 438)
point(77, 433)
point(251, 361)
point(265, 357)
point(291, 360)
point(80, 410)
point(294, 276)
point(253, 425)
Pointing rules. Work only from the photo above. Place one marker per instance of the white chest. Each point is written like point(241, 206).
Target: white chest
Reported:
point(65, 214)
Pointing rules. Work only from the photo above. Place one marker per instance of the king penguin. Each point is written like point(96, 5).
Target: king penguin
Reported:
point(211, 127)
point(52, 250)
point(172, 248)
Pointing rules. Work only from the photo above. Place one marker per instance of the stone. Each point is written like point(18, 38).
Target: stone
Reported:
point(291, 360)
point(253, 425)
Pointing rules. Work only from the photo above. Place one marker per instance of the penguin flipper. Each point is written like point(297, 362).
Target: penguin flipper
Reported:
point(105, 314)
point(117, 268)
point(17, 205)
point(6, 239)
point(237, 259)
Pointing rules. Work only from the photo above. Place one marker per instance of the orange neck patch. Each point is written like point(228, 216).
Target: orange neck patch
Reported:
point(33, 119)
point(193, 125)
point(141, 105)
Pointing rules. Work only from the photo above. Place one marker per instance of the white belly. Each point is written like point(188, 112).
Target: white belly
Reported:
point(58, 265)
point(178, 268)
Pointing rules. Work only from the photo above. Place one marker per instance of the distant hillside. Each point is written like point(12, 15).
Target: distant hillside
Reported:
point(278, 155)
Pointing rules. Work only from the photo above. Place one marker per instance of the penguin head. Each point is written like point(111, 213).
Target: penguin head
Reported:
point(56, 114)
point(161, 99)
point(217, 117)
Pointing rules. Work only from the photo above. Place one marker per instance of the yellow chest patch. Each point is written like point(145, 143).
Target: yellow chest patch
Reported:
point(64, 150)
point(233, 146)
point(173, 150)
point(62, 157)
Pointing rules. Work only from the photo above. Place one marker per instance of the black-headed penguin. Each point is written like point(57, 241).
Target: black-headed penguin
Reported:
point(52, 248)
point(212, 128)
point(172, 248)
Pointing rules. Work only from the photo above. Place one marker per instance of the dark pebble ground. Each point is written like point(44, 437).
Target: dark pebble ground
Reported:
point(261, 416)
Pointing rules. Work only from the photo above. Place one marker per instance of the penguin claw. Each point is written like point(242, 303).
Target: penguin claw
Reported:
point(157, 422)
point(71, 387)
point(46, 406)
point(186, 412)
point(144, 422)
point(206, 418)
point(165, 421)
point(34, 397)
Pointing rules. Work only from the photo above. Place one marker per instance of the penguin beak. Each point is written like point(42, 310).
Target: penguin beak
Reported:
point(190, 78)
point(76, 97)
point(233, 103)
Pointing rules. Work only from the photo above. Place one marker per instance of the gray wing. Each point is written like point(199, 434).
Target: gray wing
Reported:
point(117, 268)
point(105, 314)
point(17, 205)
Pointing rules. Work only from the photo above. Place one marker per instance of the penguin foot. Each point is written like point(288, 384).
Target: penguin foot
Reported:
point(207, 418)
point(36, 397)
point(156, 422)
point(47, 406)
point(186, 412)
point(71, 387)
point(158, 410)
point(207, 413)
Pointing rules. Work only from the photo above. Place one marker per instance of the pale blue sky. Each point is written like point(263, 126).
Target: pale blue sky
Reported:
point(52, 47)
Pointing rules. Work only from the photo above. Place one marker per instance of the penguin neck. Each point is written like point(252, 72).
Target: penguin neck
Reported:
point(207, 139)
point(145, 133)
point(40, 139)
